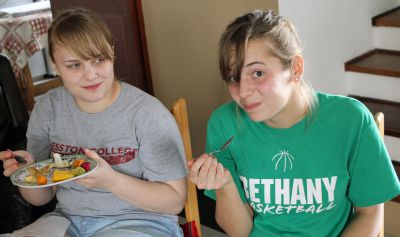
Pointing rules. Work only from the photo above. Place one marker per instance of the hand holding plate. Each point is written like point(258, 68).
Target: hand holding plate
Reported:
point(103, 177)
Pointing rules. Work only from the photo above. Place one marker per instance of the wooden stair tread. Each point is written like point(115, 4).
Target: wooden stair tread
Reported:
point(377, 61)
point(388, 18)
point(390, 109)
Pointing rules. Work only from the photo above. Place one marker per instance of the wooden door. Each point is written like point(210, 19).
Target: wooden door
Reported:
point(125, 20)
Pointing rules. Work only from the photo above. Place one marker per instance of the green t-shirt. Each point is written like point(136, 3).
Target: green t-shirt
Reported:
point(305, 180)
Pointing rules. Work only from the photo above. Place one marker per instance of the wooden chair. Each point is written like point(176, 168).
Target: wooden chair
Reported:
point(191, 205)
point(380, 122)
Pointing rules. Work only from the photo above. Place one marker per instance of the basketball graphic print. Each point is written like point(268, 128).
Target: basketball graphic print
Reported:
point(283, 160)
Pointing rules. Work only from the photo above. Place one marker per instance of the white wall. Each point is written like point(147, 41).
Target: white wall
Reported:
point(12, 3)
point(182, 38)
point(387, 38)
point(333, 32)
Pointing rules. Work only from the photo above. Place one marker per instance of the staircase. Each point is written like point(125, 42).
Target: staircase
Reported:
point(374, 78)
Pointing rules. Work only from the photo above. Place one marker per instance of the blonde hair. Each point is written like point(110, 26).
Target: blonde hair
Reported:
point(281, 39)
point(83, 32)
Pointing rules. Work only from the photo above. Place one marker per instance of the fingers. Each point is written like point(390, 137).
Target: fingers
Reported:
point(91, 154)
point(220, 175)
point(212, 171)
point(10, 165)
point(102, 162)
point(197, 163)
point(189, 163)
point(194, 168)
point(206, 172)
point(203, 176)
point(4, 155)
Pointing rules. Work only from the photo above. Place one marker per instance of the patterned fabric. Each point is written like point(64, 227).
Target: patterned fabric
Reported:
point(21, 37)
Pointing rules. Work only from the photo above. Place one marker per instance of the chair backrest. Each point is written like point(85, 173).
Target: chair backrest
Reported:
point(11, 93)
point(14, 116)
point(15, 212)
point(191, 205)
point(380, 122)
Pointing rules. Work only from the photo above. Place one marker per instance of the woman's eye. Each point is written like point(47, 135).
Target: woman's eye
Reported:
point(98, 60)
point(73, 66)
point(257, 74)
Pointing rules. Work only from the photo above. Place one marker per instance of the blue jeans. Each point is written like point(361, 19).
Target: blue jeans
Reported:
point(108, 227)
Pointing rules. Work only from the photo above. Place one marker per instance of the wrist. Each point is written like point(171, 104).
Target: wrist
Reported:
point(113, 180)
point(228, 186)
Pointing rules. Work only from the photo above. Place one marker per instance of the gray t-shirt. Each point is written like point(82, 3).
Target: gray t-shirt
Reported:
point(137, 135)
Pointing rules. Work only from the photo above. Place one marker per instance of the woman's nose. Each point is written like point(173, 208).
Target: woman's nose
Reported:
point(245, 88)
point(90, 72)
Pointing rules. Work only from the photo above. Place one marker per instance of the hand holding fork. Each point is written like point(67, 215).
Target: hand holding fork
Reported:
point(207, 173)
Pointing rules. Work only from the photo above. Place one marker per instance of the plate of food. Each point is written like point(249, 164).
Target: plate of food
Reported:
point(53, 171)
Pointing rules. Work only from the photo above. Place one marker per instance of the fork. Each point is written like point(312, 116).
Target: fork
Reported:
point(223, 147)
point(18, 158)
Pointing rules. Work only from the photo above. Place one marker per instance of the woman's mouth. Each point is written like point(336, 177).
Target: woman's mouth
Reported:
point(250, 107)
point(92, 87)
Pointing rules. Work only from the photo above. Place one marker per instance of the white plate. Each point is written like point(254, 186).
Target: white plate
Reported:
point(17, 178)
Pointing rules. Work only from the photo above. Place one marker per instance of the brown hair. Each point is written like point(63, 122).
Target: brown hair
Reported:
point(281, 39)
point(83, 32)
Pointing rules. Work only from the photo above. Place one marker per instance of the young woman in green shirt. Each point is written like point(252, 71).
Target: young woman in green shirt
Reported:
point(301, 163)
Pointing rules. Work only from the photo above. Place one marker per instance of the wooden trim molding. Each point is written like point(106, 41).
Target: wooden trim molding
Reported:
point(42, 86)
point(144, 49)
point(384, 19)
point(28, 90)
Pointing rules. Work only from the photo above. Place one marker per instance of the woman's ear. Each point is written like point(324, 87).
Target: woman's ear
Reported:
point(297, 68)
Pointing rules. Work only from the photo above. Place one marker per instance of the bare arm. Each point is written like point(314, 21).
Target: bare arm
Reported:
point(367, 222)
point(235, 218)
point(164, 197)
point(37, 196)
